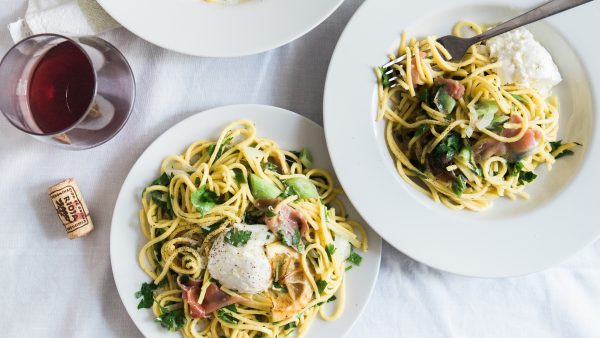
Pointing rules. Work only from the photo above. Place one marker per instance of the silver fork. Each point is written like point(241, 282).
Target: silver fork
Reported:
point(457, 47)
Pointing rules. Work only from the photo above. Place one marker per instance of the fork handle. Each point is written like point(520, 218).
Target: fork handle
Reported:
point(545, 10)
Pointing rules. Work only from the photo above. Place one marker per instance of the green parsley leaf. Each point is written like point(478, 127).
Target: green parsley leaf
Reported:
point(321, 285)
point(424, 93)
point(164, 180)
point(203, 200)
point(279, 287)
point(290, 325)
point(515, 168)
point(354, 258)
point(526, 177)
point(237, 237)
point(226, 316)
point(459, 185)
point(146, 294)
point(239, 176)
point(422, 129)
point(557, 144)
point(330, 248)
point(449, 147)
point(171, 320)
point(225, 145)
point(163, 200)
point(385, 78)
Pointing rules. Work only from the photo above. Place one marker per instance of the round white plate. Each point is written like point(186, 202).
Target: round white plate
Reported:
point(291, 131)
point(513, 237)
point(202, 28)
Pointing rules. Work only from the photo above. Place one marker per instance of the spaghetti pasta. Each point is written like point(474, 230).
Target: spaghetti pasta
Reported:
point(457, 132)
point(181, 229)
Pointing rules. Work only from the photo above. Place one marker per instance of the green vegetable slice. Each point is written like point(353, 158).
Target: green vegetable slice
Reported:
point(261, 188)
point(443, 101)
point(303, 187)
point(459, 185)
point(306, 158)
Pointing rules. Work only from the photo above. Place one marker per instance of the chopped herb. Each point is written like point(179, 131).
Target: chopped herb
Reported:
point(459, 185)
point(163, 200)
point(526, 177)
point(146, 294)
point(197, 181)
point(557, 144)
point(449, 147)
point(385, 78)
point(270, 211)
point(237, 237)
point(331, 299)
point(239, 176)
point(203, 200)
point(422, 129)
point(424, 94)
point(269, 166)
point(515, 168)
point(354, 258)
point(226, 316)
point(330, 248)
point(171, 320)
point(348, 268)
point(306, 158)
point(225, 145)
point(290, 325)
point(321, 285)
point(294, 241)
point(211, 228)
point(279, 287)
point(164, 180)
point(184, 279)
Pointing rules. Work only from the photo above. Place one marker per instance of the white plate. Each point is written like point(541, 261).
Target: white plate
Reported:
point(513, 237)
point(202, 28)
point(291, 131)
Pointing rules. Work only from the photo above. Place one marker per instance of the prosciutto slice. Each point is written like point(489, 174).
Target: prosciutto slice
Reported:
point(214, 298)
point(453, 87)
point(286, 222)
point(489, 147)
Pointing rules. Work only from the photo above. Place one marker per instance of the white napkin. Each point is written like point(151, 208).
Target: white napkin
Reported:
point(66, 17)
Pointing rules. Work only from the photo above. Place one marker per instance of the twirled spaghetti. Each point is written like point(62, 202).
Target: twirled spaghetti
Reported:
point(180, 235)
point(456, 132)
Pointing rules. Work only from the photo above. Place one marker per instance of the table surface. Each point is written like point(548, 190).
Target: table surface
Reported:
point(62, 288)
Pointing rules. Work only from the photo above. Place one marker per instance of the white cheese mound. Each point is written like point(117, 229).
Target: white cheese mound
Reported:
point(524, 61)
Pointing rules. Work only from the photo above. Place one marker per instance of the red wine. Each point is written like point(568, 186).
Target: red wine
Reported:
point(61, 87)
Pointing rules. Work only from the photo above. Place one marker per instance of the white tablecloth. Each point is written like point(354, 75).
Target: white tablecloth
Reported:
point(54, 287)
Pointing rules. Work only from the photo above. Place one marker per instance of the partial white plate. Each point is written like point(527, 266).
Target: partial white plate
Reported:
point(513, 237)
point(203, 28)
point(291, 131)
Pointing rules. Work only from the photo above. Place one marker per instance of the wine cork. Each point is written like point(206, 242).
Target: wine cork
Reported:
point(71, 209)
